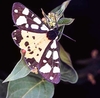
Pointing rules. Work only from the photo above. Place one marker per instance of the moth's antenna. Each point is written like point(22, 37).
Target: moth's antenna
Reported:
point(43, 13)
point(69, 37)
point(46, 17)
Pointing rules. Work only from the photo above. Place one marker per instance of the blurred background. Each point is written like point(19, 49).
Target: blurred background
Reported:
point(85, 52)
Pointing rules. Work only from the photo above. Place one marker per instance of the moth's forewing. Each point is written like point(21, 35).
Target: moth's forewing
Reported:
point(25, 19)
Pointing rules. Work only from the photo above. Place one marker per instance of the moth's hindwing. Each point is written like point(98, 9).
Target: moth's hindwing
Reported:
point(50, 62)
point(27, 20)
point(33, 43)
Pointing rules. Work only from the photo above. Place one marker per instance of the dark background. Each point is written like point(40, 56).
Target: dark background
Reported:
point(85, 30)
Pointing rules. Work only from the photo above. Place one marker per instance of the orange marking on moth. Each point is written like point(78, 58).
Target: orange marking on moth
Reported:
point(23, 51)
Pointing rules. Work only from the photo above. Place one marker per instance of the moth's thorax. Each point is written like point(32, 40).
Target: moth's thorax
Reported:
point(52, 34)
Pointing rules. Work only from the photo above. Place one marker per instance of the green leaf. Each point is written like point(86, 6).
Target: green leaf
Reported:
point(61, 20)
point(64, 56)
point(30, 87)
point(20, 70)
point(65, 21)
point(59, 10)
point(68, 73)
point(3, 89)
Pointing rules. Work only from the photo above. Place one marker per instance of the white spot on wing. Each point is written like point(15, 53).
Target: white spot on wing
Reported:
point(44, 61)
point(48, 54)
point(29, 63)
point(37, 20)
point(34, 26)
point(46, 68)
point(51, 78)
point(55, 55)
point(14, 30)
point(56, 70)
point(43, 27)
point(57, 62)
point(21, 20)
point(14, 38)
point(25, 11)
point(16, 11)
point(53, 46)
point(32, 15)
point(26, 25)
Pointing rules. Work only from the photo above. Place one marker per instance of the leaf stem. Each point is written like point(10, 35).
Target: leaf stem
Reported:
point(32, 88)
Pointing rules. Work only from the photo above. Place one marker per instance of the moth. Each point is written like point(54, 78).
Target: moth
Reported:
point(39, 42)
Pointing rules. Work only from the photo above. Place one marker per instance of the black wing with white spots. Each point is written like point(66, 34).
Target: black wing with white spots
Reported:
point(32, 36)
point(27, 20)
point(50, 63)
